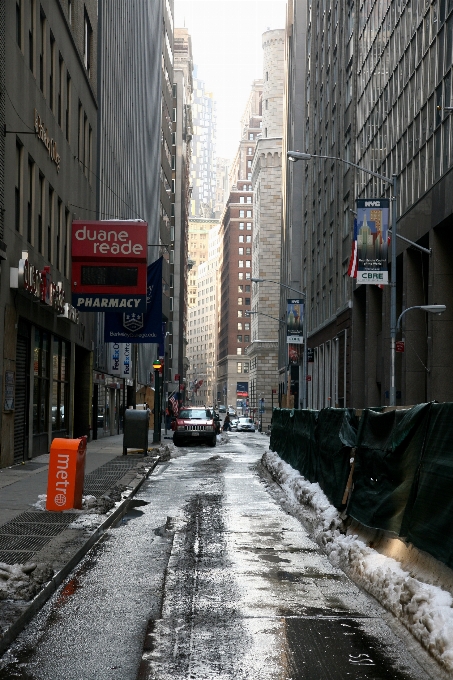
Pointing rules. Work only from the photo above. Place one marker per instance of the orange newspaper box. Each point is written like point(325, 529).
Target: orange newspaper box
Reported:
point(66, 474)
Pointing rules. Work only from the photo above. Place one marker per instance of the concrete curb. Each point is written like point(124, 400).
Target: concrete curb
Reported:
point(51, 587)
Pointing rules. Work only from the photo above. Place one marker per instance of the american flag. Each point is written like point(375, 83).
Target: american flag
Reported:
point(353, 264)
point(174, 404)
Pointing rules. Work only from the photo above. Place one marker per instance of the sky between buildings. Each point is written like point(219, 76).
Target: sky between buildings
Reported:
point(226, 43)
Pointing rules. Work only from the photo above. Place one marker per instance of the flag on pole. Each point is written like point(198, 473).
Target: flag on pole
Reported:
point(353, 263)
point(174, 404)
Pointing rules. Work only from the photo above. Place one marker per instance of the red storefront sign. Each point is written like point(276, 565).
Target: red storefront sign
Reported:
point(399, 346)
point(109, 262)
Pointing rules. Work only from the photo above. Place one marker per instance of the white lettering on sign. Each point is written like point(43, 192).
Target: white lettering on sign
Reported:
point(372, 204)
point(109, 242)
point(62, 466)
point(131, 303)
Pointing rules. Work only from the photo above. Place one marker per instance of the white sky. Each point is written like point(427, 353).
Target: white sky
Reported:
point(226, 44)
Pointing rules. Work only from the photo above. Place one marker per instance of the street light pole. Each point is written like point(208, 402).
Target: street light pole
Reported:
point(392, 400)
point(299, 156)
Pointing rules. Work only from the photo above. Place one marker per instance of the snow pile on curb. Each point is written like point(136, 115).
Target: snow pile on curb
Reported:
point(426, 610)
point(22, 581)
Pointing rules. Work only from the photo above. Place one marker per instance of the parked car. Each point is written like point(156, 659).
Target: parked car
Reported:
point(234, 424)
point(194, 425)
point(245, 425)
point(222, 408)
point(231, 412)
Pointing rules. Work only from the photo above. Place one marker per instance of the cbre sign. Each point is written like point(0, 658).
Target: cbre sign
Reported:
point(109, 260)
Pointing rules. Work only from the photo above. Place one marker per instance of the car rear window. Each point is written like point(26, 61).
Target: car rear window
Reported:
point(194, 414)
point(245, 420)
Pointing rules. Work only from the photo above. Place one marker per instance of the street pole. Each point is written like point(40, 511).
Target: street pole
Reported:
point(392, 400)
point(157, 433)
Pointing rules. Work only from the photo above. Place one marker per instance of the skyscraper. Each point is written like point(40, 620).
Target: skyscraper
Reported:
point(204, 151)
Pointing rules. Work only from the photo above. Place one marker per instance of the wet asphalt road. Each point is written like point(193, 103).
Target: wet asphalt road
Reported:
point(211, 579)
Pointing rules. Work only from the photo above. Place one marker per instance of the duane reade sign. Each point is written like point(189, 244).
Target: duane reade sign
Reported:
point(109, 265)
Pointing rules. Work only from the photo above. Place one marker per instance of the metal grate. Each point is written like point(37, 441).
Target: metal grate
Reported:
point(28, 542)
point(22, 528)
point(43, 518)
point(16, 557)
point(98, 482)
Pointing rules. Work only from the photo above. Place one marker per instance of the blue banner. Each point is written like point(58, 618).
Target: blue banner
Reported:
point(144, 328)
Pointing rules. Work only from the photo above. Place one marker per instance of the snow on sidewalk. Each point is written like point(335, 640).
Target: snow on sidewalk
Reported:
point(426, 610)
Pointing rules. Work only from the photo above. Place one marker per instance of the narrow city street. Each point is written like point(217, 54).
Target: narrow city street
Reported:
point(209, 577)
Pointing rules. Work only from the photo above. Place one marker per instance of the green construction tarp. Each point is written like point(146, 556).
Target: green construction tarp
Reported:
point(389, 447)
point(281, 434)
point(304, 436)
point(336, 433)
point(428, 521)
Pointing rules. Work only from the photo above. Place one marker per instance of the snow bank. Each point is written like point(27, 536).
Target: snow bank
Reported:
point(22, 581)
point(425, 609)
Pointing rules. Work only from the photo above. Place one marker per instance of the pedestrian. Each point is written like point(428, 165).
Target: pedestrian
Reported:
point(227, 423)
point(168, 415)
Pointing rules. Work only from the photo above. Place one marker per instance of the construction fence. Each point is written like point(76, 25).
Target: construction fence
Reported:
point(390, 470)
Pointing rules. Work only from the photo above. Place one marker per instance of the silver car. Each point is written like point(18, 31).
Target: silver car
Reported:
point(245, 425)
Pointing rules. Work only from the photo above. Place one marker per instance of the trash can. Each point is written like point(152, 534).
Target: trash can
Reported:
point(66, 474)
point(136, 427)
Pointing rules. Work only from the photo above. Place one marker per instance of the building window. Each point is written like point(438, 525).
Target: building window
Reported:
point(42, 51)
point(41, 202)
point(241, 276)
point(246, 366)
point(41, 371)
point(251, 136)
point(241, 239)
point(248, 276)
point(239, 351)
point(250, 151)
point(31, 38)
point(60, 90)
point(50, 225)
point(19, 23)
point(31, 172)
point(239, 367)
point(241, 251)
point(241, 199)
point(239, 338)
point(241, 263)
point(59, 230)
point(247, 300)
point(249, 226)
point(60, 385)
point(249, 199)
point(249, 239)
point(240, 301)
point(248, 263)
point(68, 105)
point(241, 213)
point(52, 72)
point(239, 326)
point(241, 225)
point(239, 313)
point(18, 188)
point(249, 214)
point(87, 44)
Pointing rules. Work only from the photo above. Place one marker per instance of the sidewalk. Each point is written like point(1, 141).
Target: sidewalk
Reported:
point(58, 541)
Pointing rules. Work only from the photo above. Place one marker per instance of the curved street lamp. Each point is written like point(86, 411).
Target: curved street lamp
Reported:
point(432, 309)
point(295, 156)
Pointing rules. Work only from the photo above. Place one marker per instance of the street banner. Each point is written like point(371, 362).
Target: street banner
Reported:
point(242, 389)
point(140, 328)
point(295, 322)
point(353, 264)
point(372, 240)
point(295, 355)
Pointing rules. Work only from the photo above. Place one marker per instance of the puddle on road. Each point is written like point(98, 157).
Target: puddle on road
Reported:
point(335, 649)
point(298, 576)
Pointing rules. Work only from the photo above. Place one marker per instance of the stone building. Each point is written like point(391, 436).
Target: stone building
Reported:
point(236, 260)
point(49, 112)
point(266, 173)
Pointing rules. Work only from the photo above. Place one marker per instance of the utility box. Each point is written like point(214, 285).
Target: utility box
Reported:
point(66, 474)
point(136, 427)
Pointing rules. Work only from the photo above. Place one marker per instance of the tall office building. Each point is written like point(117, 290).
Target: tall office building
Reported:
point(182, 151)
point(266, 173)
point(236, 260)
point(135, 67)
point(49, 109)
point(291, 373)
point(204, 151)
point(375, 97)
point(202, 328)
point(222, 186)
